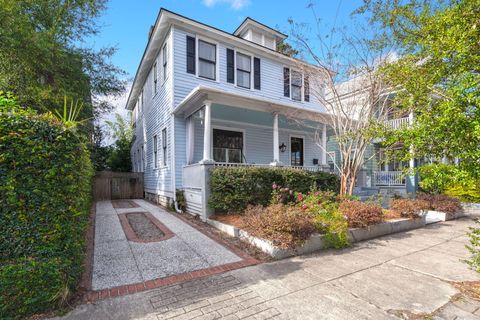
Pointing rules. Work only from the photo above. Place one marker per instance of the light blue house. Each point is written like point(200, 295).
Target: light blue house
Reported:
point(203, 97)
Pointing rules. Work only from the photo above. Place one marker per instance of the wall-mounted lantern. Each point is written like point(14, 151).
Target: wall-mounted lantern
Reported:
point(283, 147)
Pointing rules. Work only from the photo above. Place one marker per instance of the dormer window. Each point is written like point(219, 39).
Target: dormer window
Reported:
point(259, 33)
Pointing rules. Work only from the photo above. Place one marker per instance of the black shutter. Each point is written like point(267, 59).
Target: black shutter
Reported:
point(190, 54)
point(230, 66)
point(256, 73)
point(306, 92)
point(286, 82)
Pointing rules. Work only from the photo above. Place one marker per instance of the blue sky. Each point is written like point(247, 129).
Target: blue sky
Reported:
point(125, 23)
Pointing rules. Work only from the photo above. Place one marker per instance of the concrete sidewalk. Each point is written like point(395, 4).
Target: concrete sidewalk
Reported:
point(387, 278)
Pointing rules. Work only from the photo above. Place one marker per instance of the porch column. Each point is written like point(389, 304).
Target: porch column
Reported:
point(276, 143)
point(207, 134)
point(412, 178)
point(324, 145)
point(190, 139)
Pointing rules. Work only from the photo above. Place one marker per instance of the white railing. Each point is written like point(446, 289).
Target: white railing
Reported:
point(306, 168)
point(388, 178)
point(398, 123)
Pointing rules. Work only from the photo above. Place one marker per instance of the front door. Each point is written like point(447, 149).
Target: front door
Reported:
point(296, 151)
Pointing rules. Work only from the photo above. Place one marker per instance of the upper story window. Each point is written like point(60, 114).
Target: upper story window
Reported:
point(207, 60)
point(296, 83)
point(164, 146)
point(244, 68)
point(155, 150)
point(293, 83)
point(165, 61)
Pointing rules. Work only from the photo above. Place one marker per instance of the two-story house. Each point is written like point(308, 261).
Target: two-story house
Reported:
point(205, 97)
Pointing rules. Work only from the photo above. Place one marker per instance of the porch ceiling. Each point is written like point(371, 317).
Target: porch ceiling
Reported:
point(195, 99)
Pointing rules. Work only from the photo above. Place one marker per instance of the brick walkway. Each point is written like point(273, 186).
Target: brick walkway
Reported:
point(403, 276)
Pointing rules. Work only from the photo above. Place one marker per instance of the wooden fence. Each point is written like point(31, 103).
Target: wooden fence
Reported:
point(110, 185)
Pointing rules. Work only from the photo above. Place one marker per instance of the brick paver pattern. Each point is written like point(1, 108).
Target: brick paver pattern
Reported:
point(221, 296)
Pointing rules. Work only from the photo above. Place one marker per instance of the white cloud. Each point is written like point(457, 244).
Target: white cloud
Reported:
point(234, 4)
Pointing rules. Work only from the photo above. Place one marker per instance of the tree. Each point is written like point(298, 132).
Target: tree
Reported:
point(439, 73)
point(119, 158)
point(43, 56)
point(354, 94)
point(286, 49)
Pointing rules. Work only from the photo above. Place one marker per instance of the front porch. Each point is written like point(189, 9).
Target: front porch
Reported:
point(226, 130)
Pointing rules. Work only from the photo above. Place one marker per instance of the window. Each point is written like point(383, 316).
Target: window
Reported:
point(190, 55)
point(164, 146)
point(165, 60)
point(155, 150)
point(296, 151)
point(244, 67)
point(296, 86)
point(139, 163)
point(143, 159)
point(140, 103)
point(331, 160)
point(227, 146)
point(155, 78)
point(207, 59)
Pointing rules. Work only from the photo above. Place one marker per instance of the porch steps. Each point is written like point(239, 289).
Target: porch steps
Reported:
point(365, 193)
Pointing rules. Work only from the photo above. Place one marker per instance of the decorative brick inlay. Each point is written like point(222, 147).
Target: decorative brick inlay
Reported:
point(124, 204)
point(132, 236)
point(221, 296)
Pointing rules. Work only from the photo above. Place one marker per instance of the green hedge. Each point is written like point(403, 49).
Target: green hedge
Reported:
point(232, 189)
point(45, 197)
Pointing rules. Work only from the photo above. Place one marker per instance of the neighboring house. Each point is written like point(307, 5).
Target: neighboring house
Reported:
point(378, 172)
point(203, 97)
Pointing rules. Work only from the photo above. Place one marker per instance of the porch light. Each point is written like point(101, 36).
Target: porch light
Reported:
point(283, 147)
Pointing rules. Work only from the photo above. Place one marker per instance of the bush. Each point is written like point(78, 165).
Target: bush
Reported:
point(233, 189)
point(361, 214)
point(285, 226)
point(409, 208)
point(450, 180)
point(440, 202)
point(323, 207)
point(45, 199)
point(474, 247)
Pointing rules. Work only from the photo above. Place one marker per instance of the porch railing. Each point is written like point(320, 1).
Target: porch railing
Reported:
point(388, 178)
point(306, 168)
point(398, 123)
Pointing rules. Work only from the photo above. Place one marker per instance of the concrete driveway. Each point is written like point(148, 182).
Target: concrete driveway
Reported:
point(399, 276)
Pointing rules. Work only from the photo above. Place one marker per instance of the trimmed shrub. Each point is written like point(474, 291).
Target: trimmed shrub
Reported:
point(285, 226)
point(409, 208)
point(440, 202)
point(361, 214)
point(233, 189)
point(45, 198)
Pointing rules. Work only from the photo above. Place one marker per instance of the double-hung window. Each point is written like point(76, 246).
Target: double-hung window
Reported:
point(244, 68)
point(207, 60)
point(165, 60)
point(296, 83)
point(155, 150)
point(164, 146)
point(228, 146)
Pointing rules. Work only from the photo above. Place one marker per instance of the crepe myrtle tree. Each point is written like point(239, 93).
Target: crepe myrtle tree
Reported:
point(346, 81)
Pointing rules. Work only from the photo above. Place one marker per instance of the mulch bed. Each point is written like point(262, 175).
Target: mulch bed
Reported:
point(143, 227)
point(235, 220)
point(236, 243)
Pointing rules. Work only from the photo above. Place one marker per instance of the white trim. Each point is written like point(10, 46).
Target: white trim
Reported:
point(290, 136)
point(244, 147)
point(217, 57)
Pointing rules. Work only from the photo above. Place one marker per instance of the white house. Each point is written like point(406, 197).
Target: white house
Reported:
point(205, 97)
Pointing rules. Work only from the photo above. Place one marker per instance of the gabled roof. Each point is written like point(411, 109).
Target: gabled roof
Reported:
point(162, 24)
point(249, 22)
